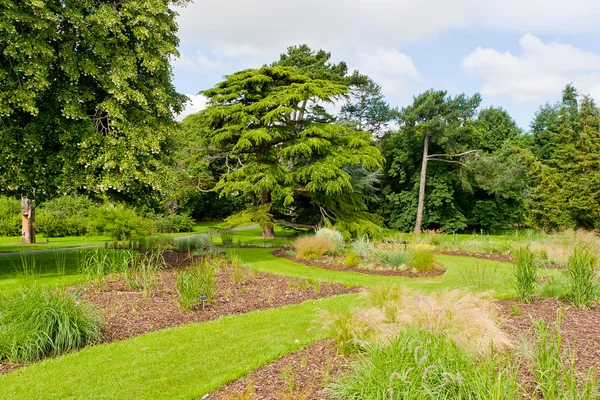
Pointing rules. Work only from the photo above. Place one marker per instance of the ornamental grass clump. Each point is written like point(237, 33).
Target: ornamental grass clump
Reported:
point(198, 284)
point(526, 273)
point(364, 248)
point(397, 259)
point(309, 247)
point(336, 237)
point(418, 364)
point(35, 324)
point(141, 274)
point(194, 243)
point(582, 277)
point(422, 261)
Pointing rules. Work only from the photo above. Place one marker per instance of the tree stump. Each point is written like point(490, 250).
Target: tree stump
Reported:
point(27, 220)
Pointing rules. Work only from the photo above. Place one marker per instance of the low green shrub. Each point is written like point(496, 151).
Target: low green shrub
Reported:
point(351, 260)
point(309, 247)
point(196, 281)
point(154, 242)
point(65, 216)
point(173, 224)
point(555, 287)
point(394, 258)
point(335, 237)
point(120, 223)
point(422, 365)
point(35, 324)
point(422, 261)
point(10, 216)
point(194, 243)
point(582, 277)
point(141, 274)
point(226, 238)
point(526, 273)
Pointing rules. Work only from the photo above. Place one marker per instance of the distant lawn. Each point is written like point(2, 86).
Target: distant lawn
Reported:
point(253, 237)
point(13, 243)
point(46, 270)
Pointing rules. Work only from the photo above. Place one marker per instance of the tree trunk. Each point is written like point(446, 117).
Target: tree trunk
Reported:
point(422, 186)
point(27, 221)
point(267, 229)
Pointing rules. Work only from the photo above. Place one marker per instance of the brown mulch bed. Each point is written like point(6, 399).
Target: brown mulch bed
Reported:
point(323, 263)
point(494, 257)
point(301, 375)
point(130, 313)
point(580, 329)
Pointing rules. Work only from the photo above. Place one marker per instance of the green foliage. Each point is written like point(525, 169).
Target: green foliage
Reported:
point(96, 110)
point(526, 273)
point(422, 365)
point(64, 216)
point(351, 260)
point(97, 263)
point(583, 279)
point(282, 151)
point(119, 222)
point(173, 224)
point(422, 261)
point(35, 324)
point(194, 243)
point(198, 280)
point(394, 258)
point(10, 216)
point(227, 238)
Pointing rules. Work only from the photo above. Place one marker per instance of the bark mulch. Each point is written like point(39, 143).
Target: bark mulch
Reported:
point(301, 375)
point(508, 258)
point(325, 263)
point(580, 329)
point(130, 313)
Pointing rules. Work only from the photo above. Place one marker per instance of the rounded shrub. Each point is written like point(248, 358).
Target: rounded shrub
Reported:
point(35, 324)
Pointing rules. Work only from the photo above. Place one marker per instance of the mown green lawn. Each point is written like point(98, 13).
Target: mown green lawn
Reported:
point(179, 363)
point(13, 243)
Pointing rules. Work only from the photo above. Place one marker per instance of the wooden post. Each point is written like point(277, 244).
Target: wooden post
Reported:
point(27, 220)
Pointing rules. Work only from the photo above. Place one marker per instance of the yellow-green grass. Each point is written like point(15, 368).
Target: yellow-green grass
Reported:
point(179, 363)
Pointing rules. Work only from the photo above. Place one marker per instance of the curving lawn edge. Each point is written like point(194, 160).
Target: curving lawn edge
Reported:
point(179, 363)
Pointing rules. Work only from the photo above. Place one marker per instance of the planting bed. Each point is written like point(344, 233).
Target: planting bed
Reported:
point(129, 313)
point(335, 264)
point(301, 375)
point(580, 329)
point(494, 257)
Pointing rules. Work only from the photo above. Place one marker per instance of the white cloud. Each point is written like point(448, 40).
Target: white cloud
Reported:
point(196, 103)
point(199, 63)
point(539, 72)
point(393, 70)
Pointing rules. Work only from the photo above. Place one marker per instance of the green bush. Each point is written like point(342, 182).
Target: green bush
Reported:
point(37, 324)
point(65, 216)
point(420, 365)
point(120, 223)
point(422, 261)
point(582, 277)
point(10, 216)
point(394, 258)
point(526, 273)
point(194, 243)
point(226, 238)
point(173, 224)
point(351, 260)
point(158, 242)
point(196, 281)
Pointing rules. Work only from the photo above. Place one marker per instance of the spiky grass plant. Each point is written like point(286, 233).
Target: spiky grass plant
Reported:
point(195, 243)
point(418, 365)
point(582, 277)
point(364, 248)
point(397, 259)
point(309, 247)
point(141, 274)
point(526, 273)
point(35, 324)
point(196, 283)
point(422, 261)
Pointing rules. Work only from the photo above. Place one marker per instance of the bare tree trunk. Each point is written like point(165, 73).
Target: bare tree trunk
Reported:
point(27, 221)
point(267, 230)
point(422, 186)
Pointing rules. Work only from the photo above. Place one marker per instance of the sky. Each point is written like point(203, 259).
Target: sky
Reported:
point(518, 54)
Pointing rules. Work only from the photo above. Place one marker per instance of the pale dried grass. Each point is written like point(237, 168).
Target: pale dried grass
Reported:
point(313, 246)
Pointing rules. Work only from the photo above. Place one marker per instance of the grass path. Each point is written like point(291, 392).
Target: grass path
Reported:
point(179, 363)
